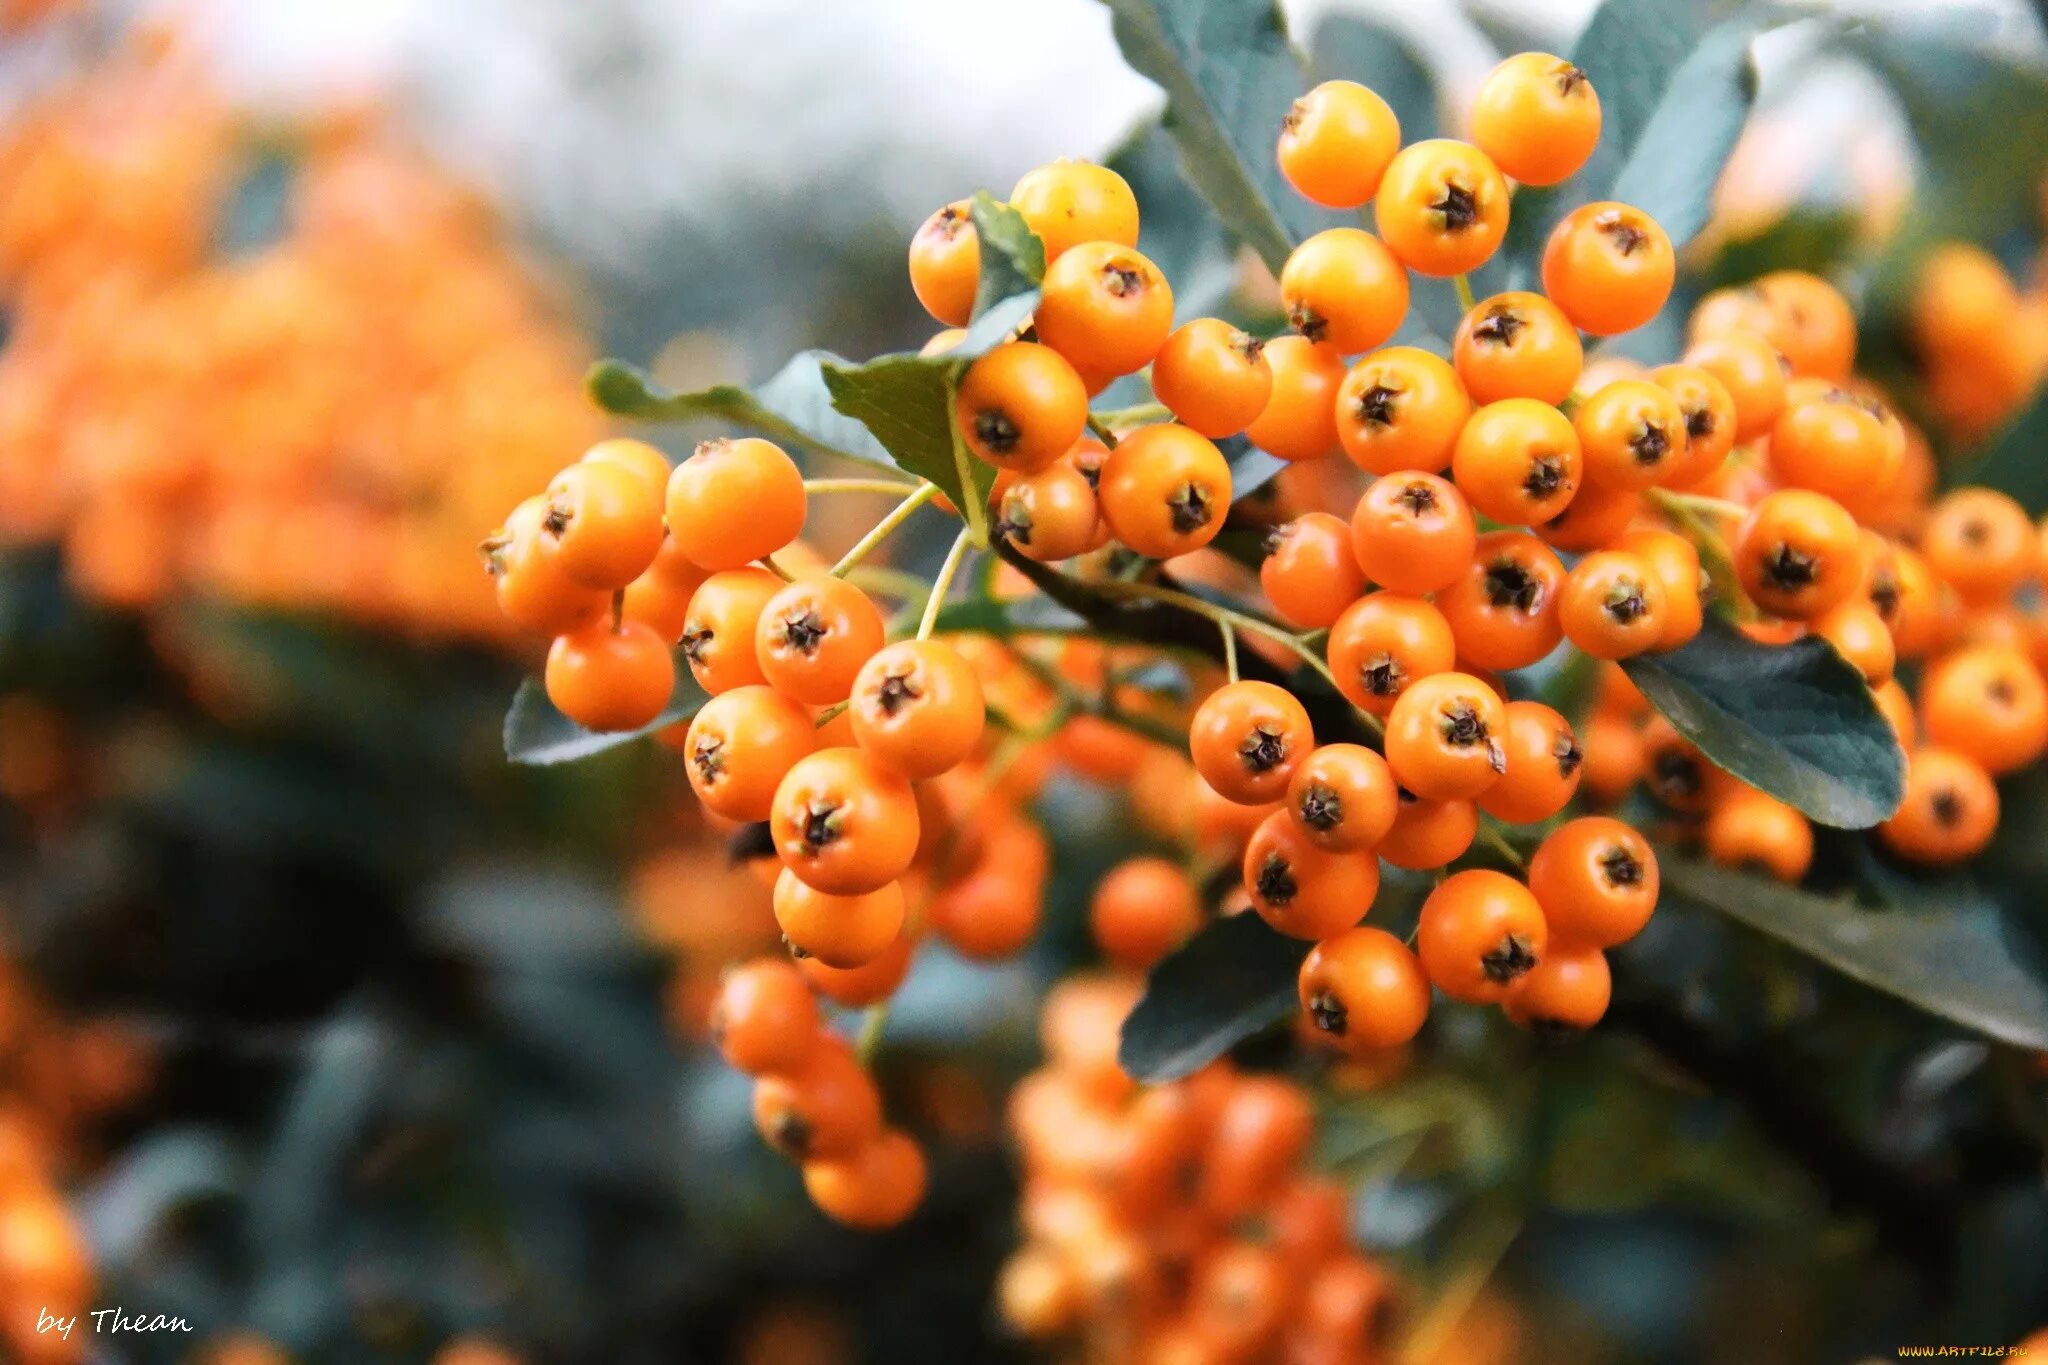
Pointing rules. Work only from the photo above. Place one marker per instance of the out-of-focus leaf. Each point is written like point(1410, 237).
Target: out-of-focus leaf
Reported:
point(1179, 232)
point(162, 1174)
point(1012, 257)
point(1032, 615)
point(1229, 76)
point(1234, 979)
point(1795, 720)
point(793, 407)
point(348, 1069)
point(2016, 459)
point(539, 735)
point(1690, 135)
point(1960, 963)
point(1818, 241)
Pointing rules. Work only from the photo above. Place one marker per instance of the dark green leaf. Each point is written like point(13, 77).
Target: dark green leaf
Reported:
point(1961, 963)
point(539, 735)
point(1032, 615)
point(793, 407)
point(1817, 240)
point(1012, 257)
point(1677, 161)
point(1250, 468)
point(1179, 233)
point(1795, 720)
point(1234, 979)
point(1230, 77)
point(2016, 460)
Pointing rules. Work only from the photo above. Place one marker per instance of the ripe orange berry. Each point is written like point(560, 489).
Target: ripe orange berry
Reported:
point(1336, 142)
point(1246, 739)
point(1833, 444)
point(1897, 709)
point(1401, 408)
point(839, 931)
point(1675, 563)
point(844, 823)
point(1442, 207)
point(1427, 835)
point(1164, 490)
point(718, 633)
point(1364, 990)
point(1344, 289)
point(1612, 605)
point(1752, 371)
point(1593, 518)
point(1021, 406)
point(1310, 574)
point(1302, 890)
point(1480, 932)
point(1261, 1128)
point(1051, 514)
point(1038, 1294)
point(989, 914)
point(1631, 434)
point(825, 1107)
point(1609, 267)
point(1213, 377)
point(1503, 609)
point(607, 677)
point(1596, 879)
point(945, 264)
point(1710, 427)
point(1343, 797)
point(1517, 345)
point(917, 708)
point(1950, 811)
point(660, 597)
point(874, 1188)
point(1815, 327)
point(531, 588)
point(1544, 765)
point(1675, 771)
point(1383, 643)
point(739, 747)
point(1568, 990)
point(707, 491)
point(1517, 461)
point(1299, 421)
point(1412, 532)
point(1615, 758)
point(1988, 703)
point(1443, 737)
point(1748, 829)
point(1143, 908)
point(1858, 634)
point(1797, 553)
point(814, 635)
point(1105, 307)
point(764, 1019)
point(637, 457)
point(1980, 542)
point(1538, 118)
point(1070, 202)
point(604, 521)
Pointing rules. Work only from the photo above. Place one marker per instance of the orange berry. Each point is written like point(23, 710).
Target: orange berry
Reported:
point(839, 931)
point(1567, 990)
point(1246, 739)
point(1310, 574)
point(813, 636)
point(1165, 490)
point(764, 1019)
point(1596, 879)
point(1609, 267)
point(607, 677)
point(1443, 737)
point(1383, 643)
point(1517, 461)
point(1747, 829)
point(1479, 933)
point(1442, 207)
point(1299, 421)
point(876, 1187)
point(1980, 542)
point(1412, 533)
point(605, 523)
point(1302, 890)
point(1544, 766)
point(739, 747)
point(1143, 908)
point(1343, 797)
point(1988, 703)
point(1503, 609)
point(844, 823)
point(1816, 328)
point(718, 633)
point(1950, 810)
point(1336, 142)
point(1105, 307)
point(1021, 406)
point(1401, 408)
point(1752, 371)
point(1365, 990)
point(1427, 835)
point(1538, 117)
point(918, 708)
point(1631, 434)
point(706, 491)
point(1070, 202)
point(1517, 345)
point(1797, 553)
point(1344, 289)
point(945, 264)
point(1213, 377)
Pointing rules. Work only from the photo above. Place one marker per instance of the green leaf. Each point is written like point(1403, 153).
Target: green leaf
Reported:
point(1032, 615)
point(1230, 77)
point(1012, 257)
point(1234, 979)
point(1677, 161)
point(2016, 459)
point(793, 407)
point(1816, 240)
point(1960, 963)
point(538, 735)
point(1795, 720)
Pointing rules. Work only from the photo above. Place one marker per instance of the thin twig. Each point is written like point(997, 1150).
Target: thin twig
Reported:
point(884, 528)
point(941, 585)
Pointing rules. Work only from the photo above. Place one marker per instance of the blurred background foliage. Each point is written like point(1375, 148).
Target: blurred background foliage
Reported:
point(328, 1027)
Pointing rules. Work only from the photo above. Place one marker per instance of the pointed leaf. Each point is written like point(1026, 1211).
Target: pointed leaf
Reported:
point(1676, 163)
point(1795, 720)
point(538, 735)
point(1231, 981)
point(1012, 257)
point(793, 407)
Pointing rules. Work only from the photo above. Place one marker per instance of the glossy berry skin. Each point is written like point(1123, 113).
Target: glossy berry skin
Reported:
point(1631, 433)
point(1052, 514)
point(1246, 739)
point(945, 264)
point(1567, 991)
point(1383, 643)
point(1443, 737)
point(1538, 117)
point(1752, 372)
point(1502, 609)
point(740, 745)
point(1304, 891)
point(1609, 267)
point(875, 1188)
point(1412, 532)
point(1336, 143)
point(1213, 377)
point(1675, 563)
point(1344, 289)
point(532, 591)
point(1070, 202)
point(1479, 933)
point(839, 931)
point(844, 823)
point(1593, 518)
point(707, 492)
point(1021, 406)
point(1950, 811)
point(644, 461)
point(1442, 207)
point(605, 523)
point(1815, 327)
point(1299, 421)
point(1518, 462)
point(1832, 444)
point(719, 629)
point(1797, 553)
point(1859, 635)
point(813, 637)
point(1710, 422)
point(1165, 490)
point(1310, 574)
point(1107, 308)
point(1401, 408)
point(1517, 345)
point(918, 708)
point(1427, 835)
point(1343, 797)
point(765, 1019)
point(610, 678)
point(1364, 990)
point(1596, 879)
point(1612, 606)
point(1544, 766)
point(1749, 830)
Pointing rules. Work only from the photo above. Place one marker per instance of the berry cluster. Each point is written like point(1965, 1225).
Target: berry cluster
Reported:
point(1982, 343)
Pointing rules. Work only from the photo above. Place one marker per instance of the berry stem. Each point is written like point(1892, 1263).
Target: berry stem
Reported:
point(1136, 415)
point(830, 714)
point(874, 1021)
point(1464, 288)
point(1099, 429)
point(1490, 835)
point(943, 584)
point(1229, 648)
point(1697, 503)
point(768, 563)
point(895, 486)
point(618, 611)
point(884, 528)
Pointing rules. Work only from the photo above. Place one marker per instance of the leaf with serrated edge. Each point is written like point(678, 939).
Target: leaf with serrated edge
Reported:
point(538, 735)
point(1795, 720)
point(1963, 965)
